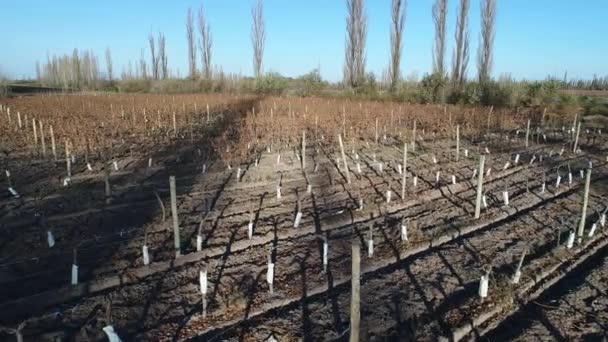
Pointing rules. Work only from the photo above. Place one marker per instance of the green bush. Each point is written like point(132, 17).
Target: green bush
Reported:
point(270, 84)
point(135, 86)
point(368, 88)
point(432, 88)
point(310, 84)
point(593, 105)
point(567, 105)
point(541, 94)
point(496, 94)
point(470, 95)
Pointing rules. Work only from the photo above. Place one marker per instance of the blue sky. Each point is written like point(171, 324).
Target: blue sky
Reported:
point(534, 38)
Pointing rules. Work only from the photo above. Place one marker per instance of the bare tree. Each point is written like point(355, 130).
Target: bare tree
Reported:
point(75, 70)
point(205, 43)
point(154, 63)
point(486, 45)
point(356, 33)
point(191, 44)
point(143, 67)
point(461, 51)
point(258, 37)
point(440, 13)
point(162, 55)
point(38, 72)
point(109, 66)
point(397, 22)
point(79, 70)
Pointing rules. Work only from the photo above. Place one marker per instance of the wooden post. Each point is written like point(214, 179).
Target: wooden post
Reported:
point(344, 159)
point(403, 175)
point(581, 226)
point(42, 139)
point(489, 116)
point(542, 119)
point(53, 147)
point(67, 159)
point(35, 133)
point(578, 131)
point(414, 137)
point(355, 306)
point(174, 124)
point(107, 183)
point(457, 142)
point(482, 160)
point(527, 133)
point(208, 113)
point(176, 237)
point(303, 150)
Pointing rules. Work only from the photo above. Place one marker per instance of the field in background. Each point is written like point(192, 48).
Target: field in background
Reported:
point(291, 184)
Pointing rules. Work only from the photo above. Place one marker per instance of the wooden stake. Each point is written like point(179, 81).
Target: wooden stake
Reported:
point(53, 147)
point(344, 159)
point(527, 133)
point(581, 226)
point(355, 308)
point(174, 124)
point(42, 139)
point(303, 150)
point(67, 159)
point(403, 175)
point(542, 119)
point(414, 137)
point(176, 237)
point(35, 133)
point(107, 183)
point(482, 160)
point(457, 142)
point(578, 132)
point(489, 116)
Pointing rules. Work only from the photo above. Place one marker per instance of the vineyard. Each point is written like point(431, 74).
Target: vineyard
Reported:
point(224, 217)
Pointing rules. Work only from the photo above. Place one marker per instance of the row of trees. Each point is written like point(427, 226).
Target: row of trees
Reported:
point(81, 69)
point(159, 59)
point(205, 42)
point(78, 70)
point(356, 30)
